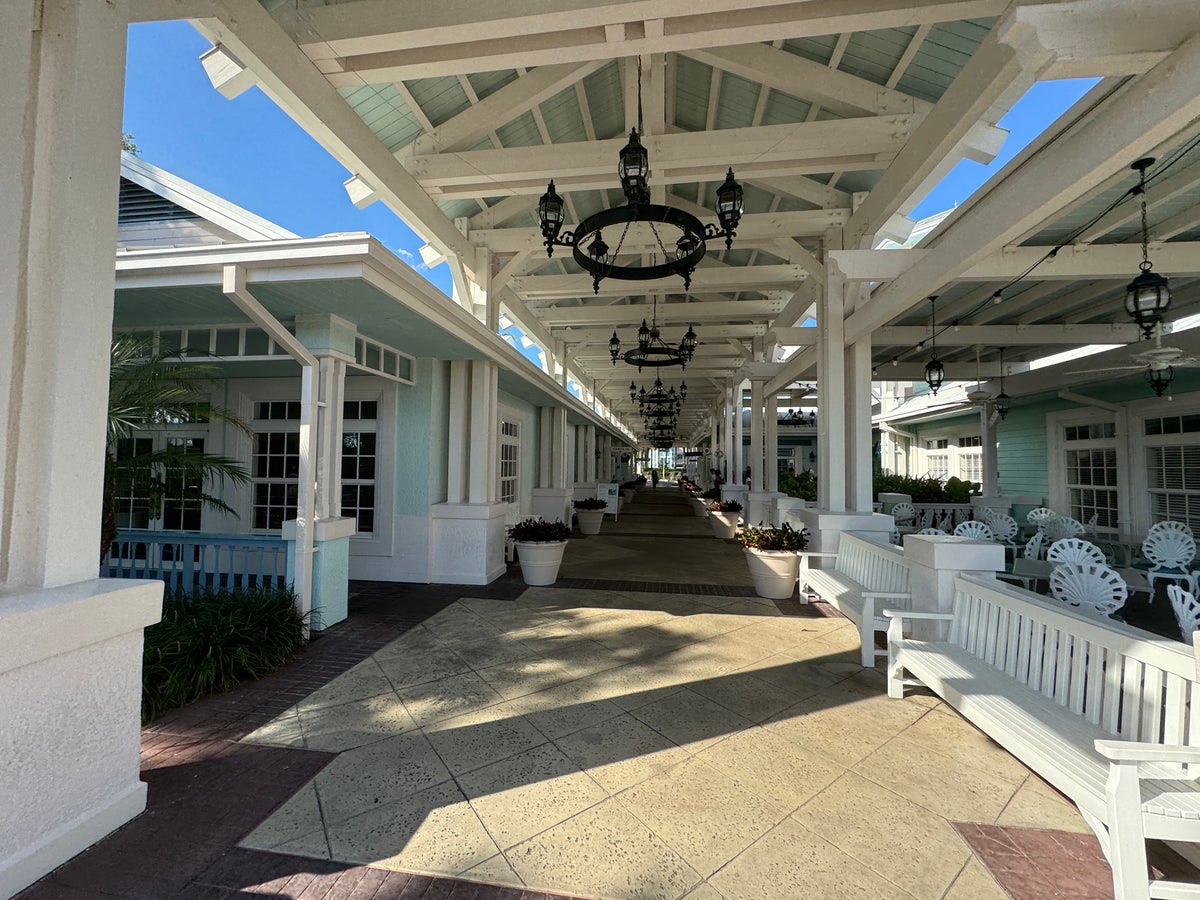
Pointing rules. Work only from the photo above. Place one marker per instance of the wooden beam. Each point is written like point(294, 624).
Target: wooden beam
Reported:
point(768, 151)
point(707, 279)
point(372, 41)
point(987, 335)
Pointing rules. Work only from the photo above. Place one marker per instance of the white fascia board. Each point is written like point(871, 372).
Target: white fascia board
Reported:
point(232, 218)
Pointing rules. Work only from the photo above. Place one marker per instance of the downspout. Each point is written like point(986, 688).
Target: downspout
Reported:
point(233, 285)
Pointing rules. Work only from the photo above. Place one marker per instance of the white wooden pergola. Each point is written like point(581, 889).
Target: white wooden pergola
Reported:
point(837, 118)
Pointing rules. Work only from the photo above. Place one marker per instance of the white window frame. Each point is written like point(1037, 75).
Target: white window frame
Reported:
point(954, 455)
point(1056, 451)
point(1153, 408)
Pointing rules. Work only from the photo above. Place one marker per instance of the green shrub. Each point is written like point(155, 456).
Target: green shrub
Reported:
point(539, 531)
point(209, 641)
point(725, 506)
point(802, 485)
point(928, 489)
point(592, 503)
point(785, 537)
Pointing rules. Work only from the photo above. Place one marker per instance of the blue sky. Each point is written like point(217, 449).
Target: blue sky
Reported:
point(249, 152)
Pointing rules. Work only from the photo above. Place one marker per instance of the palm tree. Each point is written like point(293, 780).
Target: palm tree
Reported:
point(151, 388)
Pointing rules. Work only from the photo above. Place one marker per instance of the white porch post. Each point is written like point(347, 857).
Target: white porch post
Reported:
point(987, 439)
point(772, 448)
point(737, 464)
point(580, 455)
point(755, 462)
point(727, 434)
point(713, 446)
point(858, 427)
point(589, 454)
point(552, 497)
point(467, 533)
point(831, 397)
point(70, 671)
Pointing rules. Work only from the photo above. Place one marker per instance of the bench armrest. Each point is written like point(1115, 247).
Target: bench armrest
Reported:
point(907, 614)
point(804, 553)
point(1135, 751)
point(888, 595)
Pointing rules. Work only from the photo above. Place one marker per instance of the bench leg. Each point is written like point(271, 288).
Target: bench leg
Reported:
point(1126, 839)
point(895, 674)
point(866, 632)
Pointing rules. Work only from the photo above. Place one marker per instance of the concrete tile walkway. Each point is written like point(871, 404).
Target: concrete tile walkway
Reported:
point(668, 735)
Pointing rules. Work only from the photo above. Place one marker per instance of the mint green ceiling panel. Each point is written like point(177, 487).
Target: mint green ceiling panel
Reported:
point(520, 132)
point(439, 98)
point(784, 109)
point(455, 209)
point(736, 101)
point(818, 49)
point(692, 83)
point(485, 83)
point(606, 104)
point(873, 55)
point(755, 198)
point(563, 118)
point(853, 182)
point(383, 111)
point(941, 57)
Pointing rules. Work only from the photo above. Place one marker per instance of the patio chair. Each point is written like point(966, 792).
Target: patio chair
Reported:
point(1075, 550)
point(1064, 527)
point(1093, 588)
point(1187, 611)
point(932, 531)
point(905, 515)
point(1170, 554)
point(1171, 526)
point(1005, 528)
point(1033, 546)
point(1040, 516)
point(976, 530)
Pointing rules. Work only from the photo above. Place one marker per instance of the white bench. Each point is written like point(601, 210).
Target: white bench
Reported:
point(1107, 714)
point(864, 574)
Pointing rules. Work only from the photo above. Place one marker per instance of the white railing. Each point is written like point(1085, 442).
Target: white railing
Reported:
point(191, 561)
point(942, 515)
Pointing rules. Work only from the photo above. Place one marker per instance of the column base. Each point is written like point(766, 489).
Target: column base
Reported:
point(760, 507)
point(467, 542)
point(70, 688)
point(825, 529)
point(935, 560)
point(552, 504)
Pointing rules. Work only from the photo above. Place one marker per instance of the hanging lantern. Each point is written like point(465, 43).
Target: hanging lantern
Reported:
point(1160, 379)
point(1148, 296)
point(614, 348)
point(634, 170)
point(935, 374)
point(1003, 402)
point(729, 206)
point(550, 215)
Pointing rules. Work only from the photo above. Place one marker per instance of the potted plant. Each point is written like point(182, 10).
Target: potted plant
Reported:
point(540, 546)
point(771, 556)
point(723, 516)
point(590, 513)
point(628, 490)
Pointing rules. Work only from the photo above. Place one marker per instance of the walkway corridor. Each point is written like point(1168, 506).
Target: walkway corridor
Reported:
point(603, 738)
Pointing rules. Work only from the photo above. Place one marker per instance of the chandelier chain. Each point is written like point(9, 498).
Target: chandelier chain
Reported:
point(1145, 264)
point(659, 240)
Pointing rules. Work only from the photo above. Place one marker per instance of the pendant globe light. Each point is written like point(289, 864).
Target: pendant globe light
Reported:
point(935, 372)
point(1148, 296)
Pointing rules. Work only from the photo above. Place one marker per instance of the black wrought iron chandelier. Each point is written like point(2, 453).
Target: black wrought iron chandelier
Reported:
point(1148, 296)
point(1003, 403)
point(651, 349)
point(935, 372)
point(658, 397)
point(592, 252)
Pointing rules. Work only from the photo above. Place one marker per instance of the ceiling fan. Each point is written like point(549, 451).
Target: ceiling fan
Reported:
point(1158, 364)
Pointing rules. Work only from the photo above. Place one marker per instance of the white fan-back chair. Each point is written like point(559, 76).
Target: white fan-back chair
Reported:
point(1093, 588)
point(932, 531)
point(976, 530)
point(1170, 553)
point(1040, 516)
point(1064, 527)
point(1171, 526)
point(1033, 546)
point(1187, 611)
point(1075, 550)
point(904, 512)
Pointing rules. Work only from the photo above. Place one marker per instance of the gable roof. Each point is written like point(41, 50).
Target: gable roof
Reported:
point(182, 199)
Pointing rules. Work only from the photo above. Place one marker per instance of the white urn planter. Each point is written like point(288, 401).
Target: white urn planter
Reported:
point(700, 508)
point(627, 494)
point(724, 524)
point(589, 520)
point(774, 572)
point(540, 561)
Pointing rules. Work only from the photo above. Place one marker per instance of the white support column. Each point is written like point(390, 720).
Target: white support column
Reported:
point(561, 461)
point(459, 432)
point(772, 448)
point(552, 497)
point(757, 470)
point(580, 455)
point(987, 438)
point(70, 670)
point(467, 534)
point(730, 467)
point(858, 427)
point(831, 396)
point(737, 465)
point(589, 453)
point(714, 445)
